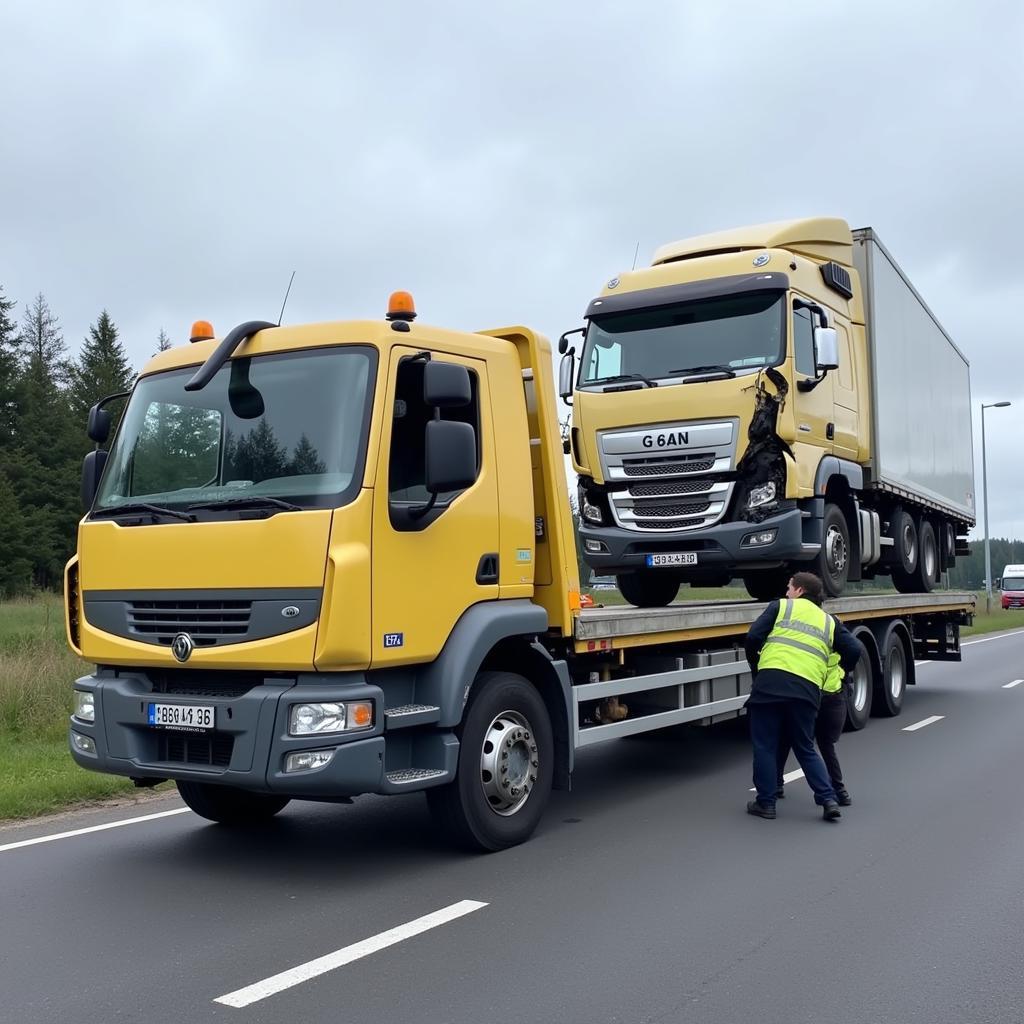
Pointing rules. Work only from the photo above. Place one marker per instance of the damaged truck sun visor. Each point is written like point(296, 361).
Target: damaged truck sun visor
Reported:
point(672, 294)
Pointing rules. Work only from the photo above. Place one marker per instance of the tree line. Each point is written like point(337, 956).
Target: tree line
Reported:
point(45, 396)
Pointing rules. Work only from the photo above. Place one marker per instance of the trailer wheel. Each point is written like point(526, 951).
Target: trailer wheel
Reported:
point(506, 762)
point(926, 574)
point(648, 589)
point(767, 585)
point(858, 689)
point(833, 561)
point(904, 534)
point(892, 686)
point(229, 806)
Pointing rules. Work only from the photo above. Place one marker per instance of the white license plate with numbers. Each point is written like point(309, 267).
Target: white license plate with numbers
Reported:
point(676, 558)
point(197, 717)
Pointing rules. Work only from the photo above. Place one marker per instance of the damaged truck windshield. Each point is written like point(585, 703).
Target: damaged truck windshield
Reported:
point(727, 335)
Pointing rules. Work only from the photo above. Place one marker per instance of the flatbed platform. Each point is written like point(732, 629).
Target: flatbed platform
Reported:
point(625, 626)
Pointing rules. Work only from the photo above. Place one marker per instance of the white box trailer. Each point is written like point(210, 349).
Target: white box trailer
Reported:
point(921, 437)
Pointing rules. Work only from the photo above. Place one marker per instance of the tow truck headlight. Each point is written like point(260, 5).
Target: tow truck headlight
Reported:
point(333, 716)
point(760, 496)
point(85, 706)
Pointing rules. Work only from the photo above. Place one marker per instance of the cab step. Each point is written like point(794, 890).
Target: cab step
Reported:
point(406, 715)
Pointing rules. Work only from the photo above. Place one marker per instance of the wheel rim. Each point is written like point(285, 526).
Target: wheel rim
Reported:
point(509, 762)
point(909, 543)
point(860, 686)
point(897, 671)
point(835, 552)
point(930, 561)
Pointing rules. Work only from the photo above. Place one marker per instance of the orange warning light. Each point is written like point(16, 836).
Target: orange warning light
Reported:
point(401, 307)
point(202, 330)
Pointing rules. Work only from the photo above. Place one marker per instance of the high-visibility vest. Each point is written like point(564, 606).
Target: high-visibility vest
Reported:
point(800, 642)
point(835, 675)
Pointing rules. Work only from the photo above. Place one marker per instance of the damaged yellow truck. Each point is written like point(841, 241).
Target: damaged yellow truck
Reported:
point(336, 559)
point(763, 400)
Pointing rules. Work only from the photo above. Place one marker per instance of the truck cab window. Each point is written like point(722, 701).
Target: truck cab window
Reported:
point(803, 343)
point(407, 472)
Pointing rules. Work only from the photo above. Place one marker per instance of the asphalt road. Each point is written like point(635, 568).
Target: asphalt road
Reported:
point(647, 895)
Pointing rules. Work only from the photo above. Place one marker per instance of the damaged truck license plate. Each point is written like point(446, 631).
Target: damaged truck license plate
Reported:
point(190, 717)
point(676, 558)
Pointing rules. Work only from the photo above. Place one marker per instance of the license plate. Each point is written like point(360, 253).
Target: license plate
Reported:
point(677, 558)
point(190, 717)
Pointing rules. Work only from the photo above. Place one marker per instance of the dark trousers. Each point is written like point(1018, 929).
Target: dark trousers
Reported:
point(827, 730)
point(769, 722)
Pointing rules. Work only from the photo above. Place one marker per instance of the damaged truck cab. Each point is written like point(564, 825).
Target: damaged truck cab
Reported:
point(731, 407)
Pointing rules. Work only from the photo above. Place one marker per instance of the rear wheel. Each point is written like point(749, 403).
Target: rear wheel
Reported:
point(858, 689)
point(892, 686)
point(767, 585)
point(833, 561)
point(506, 764)
point(230, 806)
point(904, 534)
point(648, 589)
point(926, 574)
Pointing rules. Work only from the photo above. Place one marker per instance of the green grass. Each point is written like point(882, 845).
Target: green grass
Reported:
point(36, 675)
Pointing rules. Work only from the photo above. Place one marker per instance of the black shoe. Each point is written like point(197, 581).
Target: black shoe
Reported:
point(780, 794)
point(831, 812)
point(843, 798)
point(759, 810)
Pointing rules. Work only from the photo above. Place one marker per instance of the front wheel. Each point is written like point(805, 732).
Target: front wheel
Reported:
point(506, 766)
point(229, 806)
point(648, 589)
point(833, 561)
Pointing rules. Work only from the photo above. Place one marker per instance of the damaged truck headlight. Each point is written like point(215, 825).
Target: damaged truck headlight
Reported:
point(590, 512)
point(762, 495)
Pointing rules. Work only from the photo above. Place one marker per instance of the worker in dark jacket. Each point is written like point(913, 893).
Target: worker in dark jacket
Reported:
point(827, 730)
point(788, 649)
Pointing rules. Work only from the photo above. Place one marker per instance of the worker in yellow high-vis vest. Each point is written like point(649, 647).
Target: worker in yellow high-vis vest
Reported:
point(788, 649)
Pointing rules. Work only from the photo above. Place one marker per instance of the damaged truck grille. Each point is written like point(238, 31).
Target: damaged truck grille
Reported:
point(670, 491)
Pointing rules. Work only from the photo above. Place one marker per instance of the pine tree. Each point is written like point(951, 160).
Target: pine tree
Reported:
point(43, 351)
point(102, 368)
point(163, 343)
point(8, 371)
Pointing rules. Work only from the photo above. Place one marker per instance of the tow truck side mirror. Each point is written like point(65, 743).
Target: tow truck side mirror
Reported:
point(92, 470)
point(446, 385)
point(566, 375)
point(826, 349)
point(98, 427)
point(450, 456)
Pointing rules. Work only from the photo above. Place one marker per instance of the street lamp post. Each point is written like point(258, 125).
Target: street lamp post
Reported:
point(984, 491)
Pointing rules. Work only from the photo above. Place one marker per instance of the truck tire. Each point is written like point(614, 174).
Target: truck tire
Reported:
point(648, 589)
point(229, 806)
point(767, 585)
point(926, 574)
point(833, 561)
point(904, 535)
point(506, 766)
point(859, 689)
point(892, 686)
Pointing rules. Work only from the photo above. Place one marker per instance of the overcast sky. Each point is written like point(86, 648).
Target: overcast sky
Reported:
point(171, 161)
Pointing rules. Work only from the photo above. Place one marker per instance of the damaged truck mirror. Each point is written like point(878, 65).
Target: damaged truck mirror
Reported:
point(826, 349)
point(566, 373)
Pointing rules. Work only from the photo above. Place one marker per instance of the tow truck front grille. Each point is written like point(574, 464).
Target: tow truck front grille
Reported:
point(205, 751)
point(205, 621)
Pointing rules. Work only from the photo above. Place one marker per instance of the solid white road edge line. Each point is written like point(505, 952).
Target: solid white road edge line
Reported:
point(314, 968)
point(1010, 686)
point(91, 828)
point(925, 721)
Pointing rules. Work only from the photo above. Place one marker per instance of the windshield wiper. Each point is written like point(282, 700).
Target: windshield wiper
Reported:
point(142, 506)
point(251, 501)
point(713, 368)
point(624, 376)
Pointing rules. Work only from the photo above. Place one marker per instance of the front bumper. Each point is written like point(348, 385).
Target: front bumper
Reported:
point(249, 742)
point(717, 547)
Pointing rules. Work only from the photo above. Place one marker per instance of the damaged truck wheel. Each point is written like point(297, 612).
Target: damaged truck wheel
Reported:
point(648, 589)
point(833, 561)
